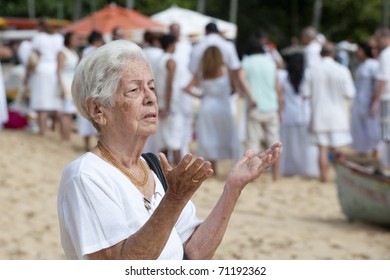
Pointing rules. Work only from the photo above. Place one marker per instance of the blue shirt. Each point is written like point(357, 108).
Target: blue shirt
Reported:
point(261, 74)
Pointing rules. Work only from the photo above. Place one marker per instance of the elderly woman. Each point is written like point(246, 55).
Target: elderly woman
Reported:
point(110, 204)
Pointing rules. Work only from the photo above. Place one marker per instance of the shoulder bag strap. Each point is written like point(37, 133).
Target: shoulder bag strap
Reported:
point(154, 164)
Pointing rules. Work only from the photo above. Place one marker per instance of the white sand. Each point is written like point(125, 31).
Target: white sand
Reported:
point(291, 219)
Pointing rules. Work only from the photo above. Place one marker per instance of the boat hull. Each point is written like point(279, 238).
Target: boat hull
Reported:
point(363, 196)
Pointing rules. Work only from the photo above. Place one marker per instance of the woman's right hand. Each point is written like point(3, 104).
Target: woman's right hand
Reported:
point(186, 177)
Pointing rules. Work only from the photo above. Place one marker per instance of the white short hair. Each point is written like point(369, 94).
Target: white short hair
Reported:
point(98, 75)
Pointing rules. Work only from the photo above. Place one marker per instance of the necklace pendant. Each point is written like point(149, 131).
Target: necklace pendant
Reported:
point(147, 205)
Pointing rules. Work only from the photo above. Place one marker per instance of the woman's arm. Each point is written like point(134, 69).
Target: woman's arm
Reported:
point(149, 241)
point(206, 238)
point(189, 88)
point(60, 64)
point(241, 82)
point(171, 69)
point(279, 92)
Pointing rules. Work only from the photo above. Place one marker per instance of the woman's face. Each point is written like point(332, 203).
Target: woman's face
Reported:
point(135, 110)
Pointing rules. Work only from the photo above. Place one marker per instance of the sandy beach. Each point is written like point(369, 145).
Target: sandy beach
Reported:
point(294, 218)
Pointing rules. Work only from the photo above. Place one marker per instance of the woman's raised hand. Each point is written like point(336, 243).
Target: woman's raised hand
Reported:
point(186, 177)
point(251, 165)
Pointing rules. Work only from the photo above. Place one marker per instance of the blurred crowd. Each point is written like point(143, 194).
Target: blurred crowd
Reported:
point(314, 97)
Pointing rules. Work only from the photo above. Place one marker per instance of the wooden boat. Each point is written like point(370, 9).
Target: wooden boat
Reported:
point(363, 193)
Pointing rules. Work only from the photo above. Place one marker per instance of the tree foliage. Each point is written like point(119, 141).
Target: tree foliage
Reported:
point(280, 19)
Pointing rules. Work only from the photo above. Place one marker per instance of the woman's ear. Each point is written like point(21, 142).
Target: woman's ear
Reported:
point(96, 111)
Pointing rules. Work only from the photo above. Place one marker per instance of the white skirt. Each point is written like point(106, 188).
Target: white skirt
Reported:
point(299, 155)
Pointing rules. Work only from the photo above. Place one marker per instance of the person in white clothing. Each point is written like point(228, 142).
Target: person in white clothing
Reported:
point(312, 50)
point(328, 84)
point(300, 155)
point(42, 81)
point(24, 52)
point(365, 129)
point(217, 134)
point(230, 57)
point(183, 76)
point(381, 97)
point(153, 51)
point(171, 124)
point(85, 128)
point(67, 61)
point(4, 53)
point(111, 205)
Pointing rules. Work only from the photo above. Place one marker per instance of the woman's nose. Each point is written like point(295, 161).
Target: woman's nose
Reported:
point(150, 96)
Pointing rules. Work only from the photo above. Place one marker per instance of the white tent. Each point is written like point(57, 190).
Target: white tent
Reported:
point(192, 23)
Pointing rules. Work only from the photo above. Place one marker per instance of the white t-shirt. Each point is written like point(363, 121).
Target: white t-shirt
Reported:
point(98, 207)
point(312, 53)
point(384, 71)
point(227, 49)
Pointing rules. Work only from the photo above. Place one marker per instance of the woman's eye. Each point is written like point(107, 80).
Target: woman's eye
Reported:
point(152, 88)
point(132, 90)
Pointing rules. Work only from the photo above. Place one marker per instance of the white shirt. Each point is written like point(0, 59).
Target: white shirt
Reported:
point(24, 51)
point(312, 53)
point(161, 78)
point(384, 71)
point(328, 84)
point(227, 49)
point(48, 46)
point(98, 207)
point(183, 75)
point(154, 55)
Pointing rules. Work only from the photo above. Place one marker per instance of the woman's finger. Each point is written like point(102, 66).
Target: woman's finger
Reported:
point(270, 150)
point(205, 176)
point(166, 167)
point(267, 161)
point(194, 167)
point(202, 171)
point(182, 166)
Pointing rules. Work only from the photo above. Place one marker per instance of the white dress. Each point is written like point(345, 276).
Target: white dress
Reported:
point(67, 73)
point(3, 101)
point(299, 155)
point(216, 129)
point(365, 130)
point(43, 83)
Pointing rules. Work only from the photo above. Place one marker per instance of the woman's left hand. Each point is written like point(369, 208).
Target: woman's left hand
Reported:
point(186, 177)
point(251, 165)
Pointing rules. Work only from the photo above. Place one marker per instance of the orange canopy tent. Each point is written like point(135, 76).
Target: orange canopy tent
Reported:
point(106, 19)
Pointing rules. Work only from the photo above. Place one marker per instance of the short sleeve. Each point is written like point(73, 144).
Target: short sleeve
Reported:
point(91, 215)
point(187, 222)
point(232, 59)
point(349, 85)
